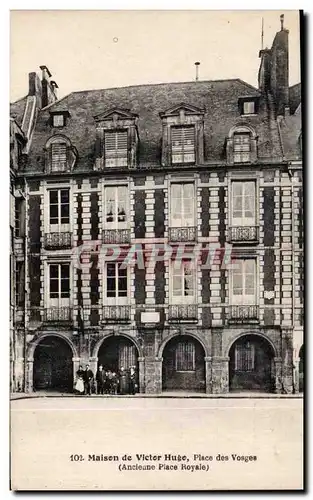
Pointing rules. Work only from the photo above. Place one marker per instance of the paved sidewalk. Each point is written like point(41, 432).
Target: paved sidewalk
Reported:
point(163, 395)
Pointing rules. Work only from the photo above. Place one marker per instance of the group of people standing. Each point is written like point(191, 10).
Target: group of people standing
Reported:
point(106, 381)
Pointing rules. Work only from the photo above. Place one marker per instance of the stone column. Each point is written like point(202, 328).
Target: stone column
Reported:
point(158, 375)
point(278, 375)
point(208, 375)
point(29, 375)
point(93, 365)
point(153, 375)
point(287, 360)
point(296, 375)
point(141, 374)
point(220, 368)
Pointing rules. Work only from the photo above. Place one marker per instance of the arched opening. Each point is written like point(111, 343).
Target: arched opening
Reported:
point(53, 365)
point(251, 365)
point(183, 366)
point(301, 369)
point(116, 352)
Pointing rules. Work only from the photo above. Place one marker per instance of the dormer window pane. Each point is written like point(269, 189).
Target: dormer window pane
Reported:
point(115, 144)
point(58, 120)
point(59, 160)
point(242, 147)
point(183, 144)
point(249, 108)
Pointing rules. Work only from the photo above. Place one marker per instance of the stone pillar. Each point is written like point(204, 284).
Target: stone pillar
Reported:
point(296, 375)
point(208, 375)
point(220, 369)
point(29, 375)
point(287, 360)
point(153, 375)
point(141, 375)
point(93, 365)
point(278, 376)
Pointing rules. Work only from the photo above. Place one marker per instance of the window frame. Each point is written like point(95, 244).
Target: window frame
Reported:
point(249, 356)
point(243, 221)
point(115, 157)
point(66, 163)
point(179, 364)
point(183, 145)
point(116, 300)
point(241, 152)
point(116, 224)
point(183, 219)
point(244, 299)
point(174, 270)
point(60, 226)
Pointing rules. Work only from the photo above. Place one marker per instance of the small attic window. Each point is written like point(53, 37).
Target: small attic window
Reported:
point(58, 119)
point(248, 106)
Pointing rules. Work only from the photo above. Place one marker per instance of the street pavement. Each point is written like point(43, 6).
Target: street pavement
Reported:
point(48, 433)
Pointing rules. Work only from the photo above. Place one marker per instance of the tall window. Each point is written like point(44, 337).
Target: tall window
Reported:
point(244, 357)
point(185, 356)
point(127, 356)
point(243, 203)
point(182, 205)
point(115, 147)
point(183, 283)
point(59, 209)
point(242, 147)
point(115, 206)
point(19, 217)
point(19, 283)
point(58, 157)
point(116, 284)
point(59, 284)
point(58, 120)
point(183, 144)
point(244, 282)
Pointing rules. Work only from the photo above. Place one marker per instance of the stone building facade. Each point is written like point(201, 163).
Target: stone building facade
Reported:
point(163, 228)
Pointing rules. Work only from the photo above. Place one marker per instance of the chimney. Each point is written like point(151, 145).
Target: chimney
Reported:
point(274, 70)
point(48, 87)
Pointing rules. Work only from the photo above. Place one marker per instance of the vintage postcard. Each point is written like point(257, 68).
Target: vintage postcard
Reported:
point(157, 267)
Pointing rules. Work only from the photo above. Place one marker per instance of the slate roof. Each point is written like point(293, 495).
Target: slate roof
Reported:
point(294, 97)
point(17, 109)
point(219, 98)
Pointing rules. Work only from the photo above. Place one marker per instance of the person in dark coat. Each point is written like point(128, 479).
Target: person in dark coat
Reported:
point(114, 383)
point(100, 378)
point(133, 380)
point(88, 379)
point(123, 385)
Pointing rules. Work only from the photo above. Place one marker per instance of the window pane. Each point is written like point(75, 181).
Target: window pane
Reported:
point(65, 287)
point(122, 271)
point(249, 107)
point(54, 271)
point(122, 287)
point(177, 286)
point(53, 196)
point(54, 212)
point(54, 286)
point(111, 269)
point(65, 196)
point(111, 287)
point(65, 213)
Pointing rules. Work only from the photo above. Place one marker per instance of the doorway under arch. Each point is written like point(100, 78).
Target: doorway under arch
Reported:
point(53, 365)
point(116, 352)
point(183, 367)
point(251, 365)
point(301, 369)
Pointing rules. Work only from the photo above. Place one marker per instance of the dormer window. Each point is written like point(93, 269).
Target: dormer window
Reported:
point(241, 145)
point(58, 118)
point(183, 144)
point(116, 139)
point(60, 154)
point(248, 105)
point(182, 137)
point(115, 148)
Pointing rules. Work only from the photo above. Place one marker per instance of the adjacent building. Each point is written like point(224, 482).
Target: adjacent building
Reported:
point(161, 226)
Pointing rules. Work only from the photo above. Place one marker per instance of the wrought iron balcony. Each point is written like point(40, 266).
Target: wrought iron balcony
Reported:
point(188, 312)
point(243, 314)
point(116, 314)
point(53, 241)
point(116, 236)
point(57, 315)
point(186, 234)
point(243, 234)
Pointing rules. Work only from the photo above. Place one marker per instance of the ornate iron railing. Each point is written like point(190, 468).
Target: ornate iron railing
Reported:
point(243, 314)
point(243, 234)
point(183, 312)
point(58, 240)
point(118, 314)
point(116, 236)
point(57, 315)
point(182, 234)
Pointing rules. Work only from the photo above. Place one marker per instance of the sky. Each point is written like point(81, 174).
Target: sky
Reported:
point(102, 49)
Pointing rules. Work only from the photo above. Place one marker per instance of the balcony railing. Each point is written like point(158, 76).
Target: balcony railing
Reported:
point(57, 315)
point(243, 234)
point(243, 314)
point(116, 236)
point(53, 241)
point(188, 312)
point(116, 314)
point(186, 234)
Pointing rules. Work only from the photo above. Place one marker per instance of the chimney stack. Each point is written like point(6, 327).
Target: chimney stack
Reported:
point(48, 87)
point(274, 70)
point(197, 64)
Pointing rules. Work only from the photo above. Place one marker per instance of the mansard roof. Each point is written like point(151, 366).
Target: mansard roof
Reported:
point(217, 98)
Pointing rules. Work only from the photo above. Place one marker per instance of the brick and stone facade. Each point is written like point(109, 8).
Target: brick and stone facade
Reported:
point(150, 322)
